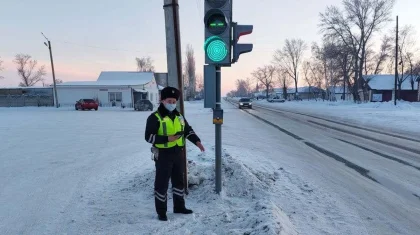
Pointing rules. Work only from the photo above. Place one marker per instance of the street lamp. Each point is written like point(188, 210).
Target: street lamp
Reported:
point(52, 67)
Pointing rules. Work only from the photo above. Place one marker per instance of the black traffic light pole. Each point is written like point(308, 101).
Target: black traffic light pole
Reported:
point(218, 111)
point(219, 46)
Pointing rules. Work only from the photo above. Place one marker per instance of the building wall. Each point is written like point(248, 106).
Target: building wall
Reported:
point(152, 92)
point(104, 96)
point(27, 96)
point(409, 95)
point(69, 95)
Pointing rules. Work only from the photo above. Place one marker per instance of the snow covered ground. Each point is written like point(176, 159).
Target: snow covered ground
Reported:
point(69, 172)
point(405, 117)
point(74, 172)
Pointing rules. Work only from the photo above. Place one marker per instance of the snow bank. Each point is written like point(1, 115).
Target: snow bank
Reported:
point(244, 206)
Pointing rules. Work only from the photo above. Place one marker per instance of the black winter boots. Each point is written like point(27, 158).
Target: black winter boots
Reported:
point(183, 211)
point(162, 217)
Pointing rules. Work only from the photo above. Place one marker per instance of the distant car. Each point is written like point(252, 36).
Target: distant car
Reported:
point(276, 99)
point(143, 105)
point(245, 103)
point(88, 104)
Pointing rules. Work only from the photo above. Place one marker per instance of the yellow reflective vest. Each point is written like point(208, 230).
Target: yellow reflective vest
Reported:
point(167, 127)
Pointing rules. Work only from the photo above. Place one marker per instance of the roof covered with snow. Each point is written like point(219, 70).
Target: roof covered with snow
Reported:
point(386, 82)
point(101, 83)
point(140, 77)
point(115, 78)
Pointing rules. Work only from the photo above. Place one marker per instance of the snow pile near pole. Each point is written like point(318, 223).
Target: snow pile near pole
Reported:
point(243, 207)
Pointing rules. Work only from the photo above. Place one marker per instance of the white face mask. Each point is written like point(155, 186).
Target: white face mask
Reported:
point(170, 107)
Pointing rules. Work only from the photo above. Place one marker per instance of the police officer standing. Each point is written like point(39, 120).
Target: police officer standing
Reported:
point(167, 130)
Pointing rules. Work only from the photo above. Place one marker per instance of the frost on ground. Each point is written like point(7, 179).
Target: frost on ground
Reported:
point(245, 205)
point(405, 116)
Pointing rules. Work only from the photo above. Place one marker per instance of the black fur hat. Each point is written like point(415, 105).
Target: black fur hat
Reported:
point(169, 92)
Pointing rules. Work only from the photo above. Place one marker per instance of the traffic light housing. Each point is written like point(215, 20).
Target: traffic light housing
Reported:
point(218, 32)
point(238, 49)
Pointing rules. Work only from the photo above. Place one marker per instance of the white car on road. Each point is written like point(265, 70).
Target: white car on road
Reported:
point(276, 99)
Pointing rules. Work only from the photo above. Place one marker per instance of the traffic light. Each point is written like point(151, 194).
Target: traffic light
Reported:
point(217, 32)
point(238, 49)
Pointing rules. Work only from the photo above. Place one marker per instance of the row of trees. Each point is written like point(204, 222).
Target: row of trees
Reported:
point(28, 70)
point(30, 73)
point(192, 81)
point(347, 52)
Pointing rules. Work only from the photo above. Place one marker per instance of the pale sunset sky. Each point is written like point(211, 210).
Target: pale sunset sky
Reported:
point(90, 36)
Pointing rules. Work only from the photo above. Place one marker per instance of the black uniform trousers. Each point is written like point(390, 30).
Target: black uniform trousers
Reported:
point(170, 164)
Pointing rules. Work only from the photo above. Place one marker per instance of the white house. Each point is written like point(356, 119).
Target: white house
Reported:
point(336, 93)
point(111, 89)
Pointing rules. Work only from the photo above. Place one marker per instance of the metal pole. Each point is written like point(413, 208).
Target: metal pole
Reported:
point(396, 64)
point(218, 133)
point(52, 68)
point(53, 72)
point(174, 62)
point(175, 11)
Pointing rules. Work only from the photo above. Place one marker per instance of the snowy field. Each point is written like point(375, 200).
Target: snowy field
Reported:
point(79, 172)
point(405, 117)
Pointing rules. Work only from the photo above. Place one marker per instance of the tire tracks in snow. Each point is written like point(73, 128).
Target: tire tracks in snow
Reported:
point(362, 171)
point(342, 123)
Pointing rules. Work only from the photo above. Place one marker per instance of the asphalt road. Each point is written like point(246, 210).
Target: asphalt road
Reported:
point(376, 171)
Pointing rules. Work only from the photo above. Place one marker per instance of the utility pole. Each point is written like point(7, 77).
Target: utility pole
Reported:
point(52, 67)
point(396, 64)
point(174, 62)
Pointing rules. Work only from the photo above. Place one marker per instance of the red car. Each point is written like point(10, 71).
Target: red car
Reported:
point(88, 104)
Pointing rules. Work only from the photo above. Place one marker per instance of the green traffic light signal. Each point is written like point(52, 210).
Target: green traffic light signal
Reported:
point(216, 49)
point(216, 22)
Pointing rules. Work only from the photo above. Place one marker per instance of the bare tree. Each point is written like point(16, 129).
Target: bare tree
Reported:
point(185, 78)
point(355, 26)
point(412, 69)
point(1, 67)
point(190, 71)
point(265, 75)
point(27, 71)
point(199, 83)
point(290, 57)
point(284, 80)
point(309, 77)
point(242, 88)
point(328, 64)
point(416, 71)
point(384, 53)
point(406, 49)
point(145, 64)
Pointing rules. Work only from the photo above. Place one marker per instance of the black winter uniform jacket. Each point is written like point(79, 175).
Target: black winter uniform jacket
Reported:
point(152, 127)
